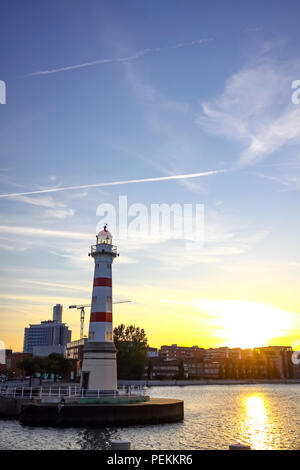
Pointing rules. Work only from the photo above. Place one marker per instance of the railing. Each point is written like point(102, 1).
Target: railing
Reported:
point(72, 392)
point(99, 248)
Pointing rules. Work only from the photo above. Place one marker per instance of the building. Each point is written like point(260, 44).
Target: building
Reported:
point(48, 336)
point(57, 313)
point(278, 360)
point(99, 367)
point(272, 362)
point(161, 369)
point(45, 350)
point(175, 369)
point(152, 352)
point(74, 351)
point(193, 369)
point(10, 368)
point(211, 370)
point(235, 354)
point(180, 352)
point(3, 360)
point(216, 354)
point(247, 354)
point(296, 366)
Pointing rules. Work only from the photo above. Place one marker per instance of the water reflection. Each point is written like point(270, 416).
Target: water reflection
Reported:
point(256, 424)
point(96, 438)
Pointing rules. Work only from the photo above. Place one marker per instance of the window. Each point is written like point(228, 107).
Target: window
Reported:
point(108, 304)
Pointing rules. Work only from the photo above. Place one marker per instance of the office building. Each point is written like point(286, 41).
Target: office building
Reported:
point(48, 336)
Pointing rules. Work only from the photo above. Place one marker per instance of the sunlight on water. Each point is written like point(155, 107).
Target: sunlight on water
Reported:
point(256, 425)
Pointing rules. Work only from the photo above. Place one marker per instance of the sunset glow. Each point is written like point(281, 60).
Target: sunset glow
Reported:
point(247, 324)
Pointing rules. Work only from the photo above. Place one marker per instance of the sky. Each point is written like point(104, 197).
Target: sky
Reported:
point(110, 99)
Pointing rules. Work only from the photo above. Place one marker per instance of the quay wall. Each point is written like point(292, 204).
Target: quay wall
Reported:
point(155, 411)
point(158, 383)
point(11, 407)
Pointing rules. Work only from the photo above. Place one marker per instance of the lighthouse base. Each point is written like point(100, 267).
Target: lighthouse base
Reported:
point(99, 366)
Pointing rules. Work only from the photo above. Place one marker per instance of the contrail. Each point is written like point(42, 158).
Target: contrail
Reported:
point(116, 183)
point(134, 56)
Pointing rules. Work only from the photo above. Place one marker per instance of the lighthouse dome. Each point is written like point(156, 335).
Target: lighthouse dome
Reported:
point(104, 236)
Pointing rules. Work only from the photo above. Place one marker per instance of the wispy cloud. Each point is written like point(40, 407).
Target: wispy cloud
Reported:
point(4, 179)
point(256, 110)
point(57, 210)
point(61, 286)
point(225, 237)
point(35, 299)
point(14, 247)
point(80, 195)
point(134, 56)
point(38, 232)
point(209, 253)
point(175, 145)
point(42, 202)
point(291, 182)
point(116, 183)
point(59, 213)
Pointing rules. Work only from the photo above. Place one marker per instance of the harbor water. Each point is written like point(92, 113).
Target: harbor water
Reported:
point(263, 416)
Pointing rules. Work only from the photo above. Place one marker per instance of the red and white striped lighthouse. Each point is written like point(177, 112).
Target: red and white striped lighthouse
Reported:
point(99, 355)
point(101, 312)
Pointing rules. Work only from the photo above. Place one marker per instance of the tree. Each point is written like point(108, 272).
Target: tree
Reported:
point(132, 344)
point(44, 366)
point(55, 364)
point(150, 370)
point(58, 365)
point(30, 366)
point(180, 375)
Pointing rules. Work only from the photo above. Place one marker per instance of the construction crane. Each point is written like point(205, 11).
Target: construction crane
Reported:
point(82, 312)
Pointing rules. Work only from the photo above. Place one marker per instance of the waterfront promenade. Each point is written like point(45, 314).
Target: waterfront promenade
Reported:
point(160, 383)
point(168, 383)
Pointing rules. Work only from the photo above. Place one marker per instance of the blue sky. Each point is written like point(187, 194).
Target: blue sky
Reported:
point(108, 91)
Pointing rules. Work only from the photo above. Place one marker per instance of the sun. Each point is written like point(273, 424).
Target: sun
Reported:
point(246, 324)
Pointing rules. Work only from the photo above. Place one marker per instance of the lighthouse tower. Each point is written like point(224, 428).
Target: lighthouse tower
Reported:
point(99, 354)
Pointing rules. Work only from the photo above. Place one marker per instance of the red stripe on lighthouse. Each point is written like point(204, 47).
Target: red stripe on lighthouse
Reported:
point(101, 316)
point(102, 281)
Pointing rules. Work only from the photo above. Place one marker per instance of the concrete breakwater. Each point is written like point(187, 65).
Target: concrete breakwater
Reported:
point(11, 407)
point(154, 411)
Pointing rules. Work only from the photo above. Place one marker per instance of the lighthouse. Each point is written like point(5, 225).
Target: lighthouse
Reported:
point(99, 354)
